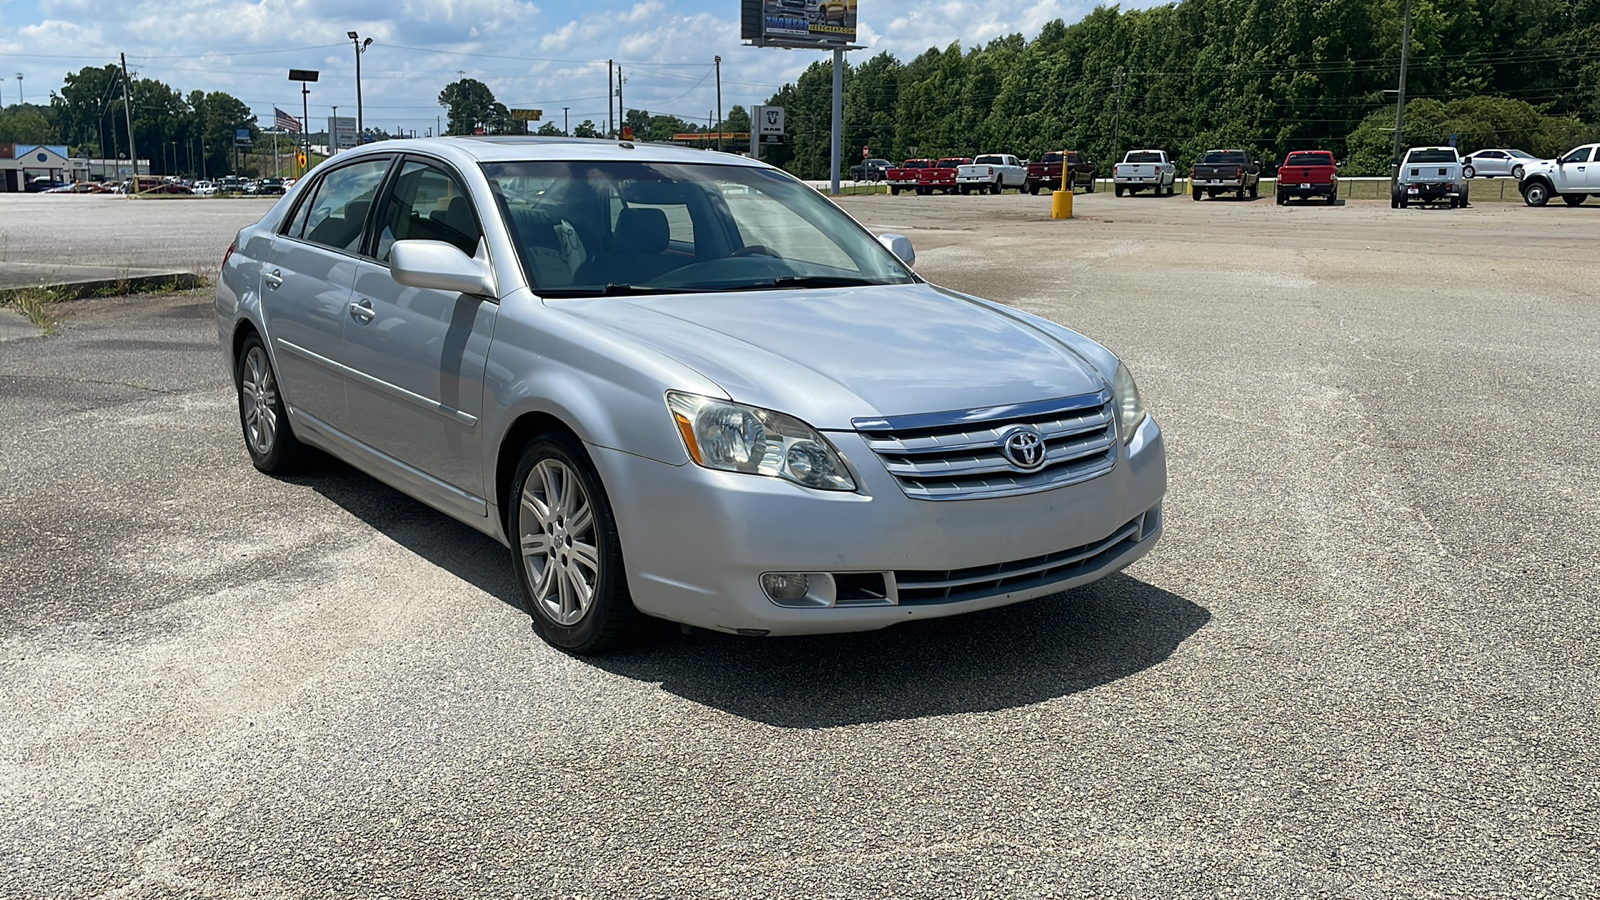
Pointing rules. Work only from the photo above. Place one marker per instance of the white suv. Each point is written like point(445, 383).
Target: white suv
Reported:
point(1574, 177)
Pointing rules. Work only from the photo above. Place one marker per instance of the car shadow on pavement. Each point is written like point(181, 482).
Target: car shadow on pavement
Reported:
point(991, 660)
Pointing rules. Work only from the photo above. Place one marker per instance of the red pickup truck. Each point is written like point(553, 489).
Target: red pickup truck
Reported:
point(906, 176)
point(941, 176)
point(1308, 173)
point(1046, 174)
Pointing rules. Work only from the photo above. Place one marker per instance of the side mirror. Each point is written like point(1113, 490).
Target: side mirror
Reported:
point(435, 265)
point(900, 246)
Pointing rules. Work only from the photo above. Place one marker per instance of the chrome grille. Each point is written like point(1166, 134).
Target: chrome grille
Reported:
point(918, 587)
point(958, 455)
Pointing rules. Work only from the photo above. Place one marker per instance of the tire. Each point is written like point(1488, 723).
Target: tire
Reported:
point(1404, 201)
point(1239, 194)
point(1574, 199)
point(1033, 189)
point(1283, 198)
point(1516, 172)
point(1394, 202)
point(894, 190)
point(1333, 197)
point(1536, 193)
point(922, 192)
point(567, 555)
point(1255, 190)
point(268, 436)
point(1468, 172)
point(1118, 189)
point(1091, 185)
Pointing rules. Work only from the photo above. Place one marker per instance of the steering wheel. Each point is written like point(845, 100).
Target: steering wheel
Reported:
point(753, 250)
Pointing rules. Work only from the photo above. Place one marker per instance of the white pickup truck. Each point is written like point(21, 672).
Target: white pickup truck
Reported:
point(1142, 169)
point(993, 172)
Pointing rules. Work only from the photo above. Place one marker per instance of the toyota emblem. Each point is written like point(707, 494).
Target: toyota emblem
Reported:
point(1024, 448)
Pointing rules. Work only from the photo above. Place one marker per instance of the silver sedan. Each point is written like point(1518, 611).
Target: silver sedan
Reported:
point(682, 385)
point(1496, 164)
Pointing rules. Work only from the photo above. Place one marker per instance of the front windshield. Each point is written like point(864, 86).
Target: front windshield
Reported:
point(593, 228)
point(1520, 154)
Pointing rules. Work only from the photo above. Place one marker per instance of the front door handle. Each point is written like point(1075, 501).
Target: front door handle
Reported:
point(274, 279)
point(361, 311)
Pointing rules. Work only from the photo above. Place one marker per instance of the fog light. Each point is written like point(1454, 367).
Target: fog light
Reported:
point(784, 587)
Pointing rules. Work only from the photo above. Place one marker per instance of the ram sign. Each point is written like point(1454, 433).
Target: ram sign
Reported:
point(821, 24)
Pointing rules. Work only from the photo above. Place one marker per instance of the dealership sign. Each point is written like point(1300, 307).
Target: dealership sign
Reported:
point(819, 24)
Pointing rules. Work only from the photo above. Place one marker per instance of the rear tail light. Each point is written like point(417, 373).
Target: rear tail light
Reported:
point(1238, 171)
point(231, 247)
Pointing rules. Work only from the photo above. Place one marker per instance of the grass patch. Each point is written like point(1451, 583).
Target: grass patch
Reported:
point(37, 303)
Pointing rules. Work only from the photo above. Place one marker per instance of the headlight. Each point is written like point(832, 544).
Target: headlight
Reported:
point(1130, 410)
point(737, 438)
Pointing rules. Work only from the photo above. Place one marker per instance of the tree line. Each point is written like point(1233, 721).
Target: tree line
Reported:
point(1266, 75)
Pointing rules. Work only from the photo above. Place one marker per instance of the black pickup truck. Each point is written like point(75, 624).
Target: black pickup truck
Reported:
point(1225, 170)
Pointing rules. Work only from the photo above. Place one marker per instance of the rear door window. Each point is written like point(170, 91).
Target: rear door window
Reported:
point(338, 213)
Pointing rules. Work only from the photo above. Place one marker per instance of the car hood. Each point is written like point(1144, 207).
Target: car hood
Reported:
point(834, 354)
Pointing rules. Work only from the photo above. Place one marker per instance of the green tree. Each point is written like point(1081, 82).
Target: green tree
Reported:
point(550, 129)
point(27, 123)
point(472, 106)
point(586, 129)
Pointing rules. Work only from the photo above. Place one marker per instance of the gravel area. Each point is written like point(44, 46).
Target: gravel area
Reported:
point(1361, 663)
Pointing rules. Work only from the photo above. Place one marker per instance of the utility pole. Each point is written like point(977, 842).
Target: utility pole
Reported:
point(1400, 100)
point(719, 105)
point(566, 121)
point(609, 109)
point(127, 110)
point(333, 132)
point(622, 111)
point(835, 147)
point(361, 47)
point(1116, 127)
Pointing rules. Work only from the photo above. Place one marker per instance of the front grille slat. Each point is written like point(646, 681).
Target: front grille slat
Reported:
point(959, 455)
point(923, 587)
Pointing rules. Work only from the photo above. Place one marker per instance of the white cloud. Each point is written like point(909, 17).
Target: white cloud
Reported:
point(549, 54)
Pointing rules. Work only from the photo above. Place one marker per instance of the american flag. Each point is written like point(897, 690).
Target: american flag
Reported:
point(285, 122)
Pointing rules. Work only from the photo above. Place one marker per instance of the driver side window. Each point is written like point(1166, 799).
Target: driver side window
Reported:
point(1580, 155)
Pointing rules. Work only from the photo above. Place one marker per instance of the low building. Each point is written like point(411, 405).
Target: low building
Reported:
point(22, 163)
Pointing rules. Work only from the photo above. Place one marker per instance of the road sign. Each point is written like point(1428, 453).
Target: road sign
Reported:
point(301, 159)
point(302, 74)
point(527, 115)
point(771, 121)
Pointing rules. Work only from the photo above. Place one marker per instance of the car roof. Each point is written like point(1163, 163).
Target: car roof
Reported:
point(469, 150)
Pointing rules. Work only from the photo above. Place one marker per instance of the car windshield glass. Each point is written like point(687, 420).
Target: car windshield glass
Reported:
point(1433, 156)
point(598, 228)
point(1052, 157)
point(1522, 154)
point(1225, 158)
point(952, 163)
point(989, 161)
point(1143, 158)
point(1307, 159)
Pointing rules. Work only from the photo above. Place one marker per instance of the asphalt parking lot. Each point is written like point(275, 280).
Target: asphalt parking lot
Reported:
point(1361, 663)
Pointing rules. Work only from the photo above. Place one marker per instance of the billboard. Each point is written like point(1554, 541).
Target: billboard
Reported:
point(342, 132)
point(820, 24)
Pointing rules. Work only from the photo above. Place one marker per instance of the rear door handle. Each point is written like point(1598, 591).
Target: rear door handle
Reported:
point(274, 279)
point(361, 311)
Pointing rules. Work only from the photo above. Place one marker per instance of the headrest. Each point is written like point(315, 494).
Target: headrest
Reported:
point(641, 230)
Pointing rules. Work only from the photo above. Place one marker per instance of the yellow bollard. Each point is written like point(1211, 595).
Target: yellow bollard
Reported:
point(1061, 204)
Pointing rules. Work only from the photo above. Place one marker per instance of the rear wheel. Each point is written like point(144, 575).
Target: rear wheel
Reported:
point(1118, 189)
point(1468, 172)
point(568, 556)
point(1282, 198)
point(894, 189)
point(1516, 172)
point(267, 435)
point(1255, 191)
point(1574, 199)
point(1033, 189)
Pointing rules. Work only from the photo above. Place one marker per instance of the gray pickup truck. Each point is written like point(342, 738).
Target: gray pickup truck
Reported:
point(1428, 175)
point(1225, 171)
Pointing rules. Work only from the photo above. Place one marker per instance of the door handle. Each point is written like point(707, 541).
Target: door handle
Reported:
point(274, 279)
point(361, 311)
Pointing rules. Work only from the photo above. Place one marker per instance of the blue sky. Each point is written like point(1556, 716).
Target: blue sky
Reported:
point(545, 55)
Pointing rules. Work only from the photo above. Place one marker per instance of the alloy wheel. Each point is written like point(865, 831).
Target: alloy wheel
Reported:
point(559, 543)
point(260, 392)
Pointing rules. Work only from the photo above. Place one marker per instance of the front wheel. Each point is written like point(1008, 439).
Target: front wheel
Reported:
point(1536, 194)
point(267, 434)
point(568, 556)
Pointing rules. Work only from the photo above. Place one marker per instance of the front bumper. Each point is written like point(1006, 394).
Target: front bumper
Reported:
point(696, 541)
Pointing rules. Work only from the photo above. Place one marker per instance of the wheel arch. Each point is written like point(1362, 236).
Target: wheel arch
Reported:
point(524, 428)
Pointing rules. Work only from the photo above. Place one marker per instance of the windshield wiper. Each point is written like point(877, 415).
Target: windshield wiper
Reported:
point(615, 290)
point(810, 281)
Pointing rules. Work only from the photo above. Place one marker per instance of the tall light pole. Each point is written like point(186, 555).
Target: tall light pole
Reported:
point(361, 47)
point(20, 101)
point(333, 133)
point(1400, 95)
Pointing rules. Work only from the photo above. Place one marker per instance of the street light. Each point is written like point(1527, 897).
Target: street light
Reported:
point(361, 47)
